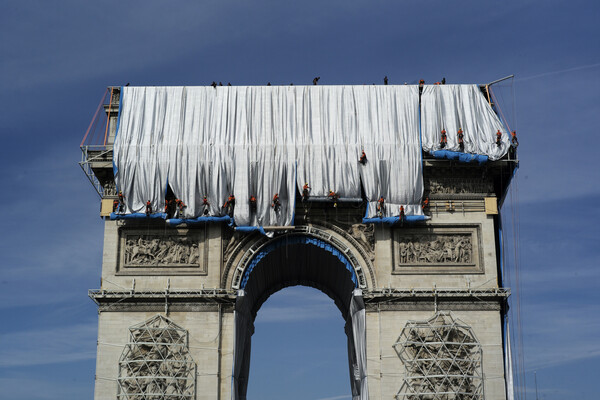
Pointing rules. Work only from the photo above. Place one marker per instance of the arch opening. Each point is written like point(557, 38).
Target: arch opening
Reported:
point(298, 352)
point(300, 260)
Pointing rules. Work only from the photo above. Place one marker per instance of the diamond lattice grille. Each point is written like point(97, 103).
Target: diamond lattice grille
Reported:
point(442, 360)
point(156, 363)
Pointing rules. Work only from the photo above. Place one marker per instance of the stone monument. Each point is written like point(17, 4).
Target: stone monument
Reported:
point(423, 301)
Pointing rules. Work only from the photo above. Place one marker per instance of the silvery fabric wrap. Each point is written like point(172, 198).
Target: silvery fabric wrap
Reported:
point(387, 120)
point(242, 342)
point(266, 140)
point(454, 107)
point(357, 347)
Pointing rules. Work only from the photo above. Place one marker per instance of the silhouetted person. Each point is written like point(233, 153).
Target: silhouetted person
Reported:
point(385, 80)
point(316, 80)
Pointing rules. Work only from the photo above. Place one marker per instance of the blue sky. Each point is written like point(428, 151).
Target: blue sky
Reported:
point(58, 57)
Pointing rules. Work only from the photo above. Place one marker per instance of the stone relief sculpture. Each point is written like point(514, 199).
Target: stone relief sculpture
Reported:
point(436, 249)
point(442, 359)
point(364, 235)
point(110, 189)
point(156, 363)
point(152, 251)
point(458, 186)
point(232, 242)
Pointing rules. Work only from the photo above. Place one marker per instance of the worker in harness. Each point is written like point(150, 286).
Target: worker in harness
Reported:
point(402, 215)
point(498, 138)
point(425, 203)
point(275, 203)
point(305, 192)
point(363, 158)
point(380, 206)
point(252, 202)
point(169, 208)
point(514, 141)
point(229, 205)
point(443, 139)
point(180, 206)
point(121, 202)
point(333, 196)
point(205, 205)
point(148, 208)
point(461, 143)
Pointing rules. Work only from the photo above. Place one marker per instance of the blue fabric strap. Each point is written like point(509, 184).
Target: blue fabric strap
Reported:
point(394, 220)
point(461, 157)
point(115, 216)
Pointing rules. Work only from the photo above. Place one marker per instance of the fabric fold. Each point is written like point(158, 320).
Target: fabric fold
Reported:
point(245, 152)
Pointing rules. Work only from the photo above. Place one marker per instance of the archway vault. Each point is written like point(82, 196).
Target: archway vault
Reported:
point(359, 258)
point(306, 256)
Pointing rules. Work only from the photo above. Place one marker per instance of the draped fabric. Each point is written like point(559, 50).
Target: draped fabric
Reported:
point(244, 329)
point(357, 347)
point(454, 107)
point(269, 142)
point(388, 121)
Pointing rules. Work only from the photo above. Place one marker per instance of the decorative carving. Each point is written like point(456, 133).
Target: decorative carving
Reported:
point(116, 97)
point(229, 243)
point(440, 186)
point(436, 249)
point(156, 251)
point(156, 363)
point(109, 189)
point(442, 359)
point(365, 236)
point(149, 251)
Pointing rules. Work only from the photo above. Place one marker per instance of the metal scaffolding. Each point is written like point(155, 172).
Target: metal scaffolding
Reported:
point(156, 363)
point(442, 360)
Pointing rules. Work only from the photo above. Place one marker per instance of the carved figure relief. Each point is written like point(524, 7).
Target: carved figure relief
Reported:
point(183, 250)
point(149, 251)
point(431, 249)
point(110, 189)
point(437, 249)
point(440, 355)
point(231, 242)
point(364, 235)
point(156, 363)
point(458, 186)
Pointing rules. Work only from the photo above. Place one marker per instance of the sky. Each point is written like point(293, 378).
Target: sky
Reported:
point(58, 57)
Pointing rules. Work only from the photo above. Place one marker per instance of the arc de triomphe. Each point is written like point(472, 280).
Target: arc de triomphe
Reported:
point(423, 301)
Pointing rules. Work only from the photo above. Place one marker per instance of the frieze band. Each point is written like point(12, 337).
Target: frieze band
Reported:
point(154, 252)
point(437, 249)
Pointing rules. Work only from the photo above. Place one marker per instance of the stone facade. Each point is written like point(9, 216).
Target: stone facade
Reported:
point(158, 265)
point(407, 272)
